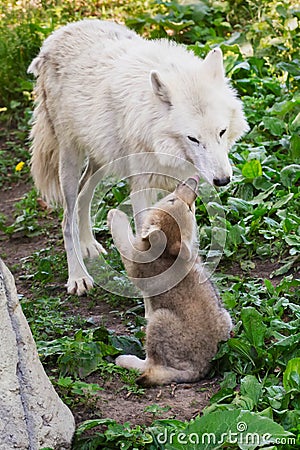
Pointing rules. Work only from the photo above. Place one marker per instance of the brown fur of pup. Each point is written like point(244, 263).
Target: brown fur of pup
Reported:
point(186, 319)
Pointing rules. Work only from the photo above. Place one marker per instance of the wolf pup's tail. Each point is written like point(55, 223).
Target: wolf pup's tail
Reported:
point(44, 147)
point(157, 375)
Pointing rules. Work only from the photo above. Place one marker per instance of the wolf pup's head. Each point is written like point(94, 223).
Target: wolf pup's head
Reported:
point(172, 219)
point(204, 117)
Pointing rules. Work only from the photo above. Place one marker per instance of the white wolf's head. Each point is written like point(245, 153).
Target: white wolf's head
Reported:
point(203, 116)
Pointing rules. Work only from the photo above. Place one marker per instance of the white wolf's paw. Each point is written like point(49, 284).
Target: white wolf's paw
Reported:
point(92, 249)
point(131, 362)
point(115, 217)
point(79, 286)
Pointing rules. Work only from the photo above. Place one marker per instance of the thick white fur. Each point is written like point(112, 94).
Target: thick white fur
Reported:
point(104, 92)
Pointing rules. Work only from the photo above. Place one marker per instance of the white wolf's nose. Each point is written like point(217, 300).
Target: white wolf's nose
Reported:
point(221, 181)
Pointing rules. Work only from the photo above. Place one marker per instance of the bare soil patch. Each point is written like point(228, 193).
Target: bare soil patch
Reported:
point(182, 402)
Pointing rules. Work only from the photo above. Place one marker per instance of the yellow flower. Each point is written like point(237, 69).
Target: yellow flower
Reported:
point(19, 166)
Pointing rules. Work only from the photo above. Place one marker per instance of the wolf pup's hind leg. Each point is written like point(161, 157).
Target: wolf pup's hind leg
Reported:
point(131, 362)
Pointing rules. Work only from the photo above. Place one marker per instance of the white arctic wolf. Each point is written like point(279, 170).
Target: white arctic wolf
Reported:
point(104, 93)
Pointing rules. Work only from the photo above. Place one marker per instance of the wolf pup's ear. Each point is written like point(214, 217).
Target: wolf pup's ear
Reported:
point(159, 88)
point(213, 62)
point(182, 249)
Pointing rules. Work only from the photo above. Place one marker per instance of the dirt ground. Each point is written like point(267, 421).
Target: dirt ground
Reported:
point(184, 401)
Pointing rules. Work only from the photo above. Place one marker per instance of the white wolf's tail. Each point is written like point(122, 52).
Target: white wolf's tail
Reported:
point(44, 147)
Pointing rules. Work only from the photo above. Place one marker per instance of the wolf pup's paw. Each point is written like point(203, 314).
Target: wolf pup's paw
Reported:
point(131, 362)
point(110, 216)
point(116, 218)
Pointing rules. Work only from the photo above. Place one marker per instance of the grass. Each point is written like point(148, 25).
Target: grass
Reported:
point(260, 364)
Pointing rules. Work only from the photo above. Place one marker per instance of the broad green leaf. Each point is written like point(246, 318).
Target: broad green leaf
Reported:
point(289, 175)
point(281, 11)
point(276, 396)
point(252, 169)
point(179, 26)
point(245, 191)
point(291, 376)
point(239, 204)
point(235, 234)
point(229, 299)
point(286, 341)
point(284, 107)
point(253, 325)
point(291, 420)
point(128, 344)
point(295, 146)
point(262, 183)
point(292, 67)
point(229, 380)
point(251, 388)
point(243, 348)
point(221, 395)
point(274, 125)
point(296, 122)
point(269, 286)
point(92, 423)
point(285, 199)
point(260, 198)
point(268, 412)
point(171, 423)
point(244, 429)
point(293, 240)
point(285, 267)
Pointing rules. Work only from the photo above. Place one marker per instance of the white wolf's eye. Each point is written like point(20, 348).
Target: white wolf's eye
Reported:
point(222, 132)
point(193, 139)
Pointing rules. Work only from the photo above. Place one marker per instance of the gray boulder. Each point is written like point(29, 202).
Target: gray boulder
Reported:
point(32, 416)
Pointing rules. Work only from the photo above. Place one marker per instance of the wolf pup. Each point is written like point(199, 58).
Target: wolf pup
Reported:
point(105, 93)
point(186, 319)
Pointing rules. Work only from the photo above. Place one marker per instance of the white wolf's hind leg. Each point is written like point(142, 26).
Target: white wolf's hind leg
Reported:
point(79, 281)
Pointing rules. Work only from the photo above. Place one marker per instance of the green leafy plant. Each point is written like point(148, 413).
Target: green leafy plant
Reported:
point(114, 436)
point(81, 354)
point(74, 392)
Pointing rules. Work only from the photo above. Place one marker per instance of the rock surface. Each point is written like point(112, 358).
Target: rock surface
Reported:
point(32, 416)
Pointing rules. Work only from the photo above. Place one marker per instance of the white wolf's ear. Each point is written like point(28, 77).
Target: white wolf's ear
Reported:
point(213, 63)
point(159, 88)
point(182, 249)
